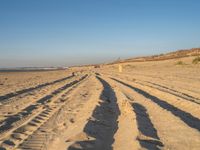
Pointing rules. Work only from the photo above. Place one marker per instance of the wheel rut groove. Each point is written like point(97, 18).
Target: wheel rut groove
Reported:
point(10, 95)
point(102, 125)
point(149, 138)
point(20, 126)
point(186, 117)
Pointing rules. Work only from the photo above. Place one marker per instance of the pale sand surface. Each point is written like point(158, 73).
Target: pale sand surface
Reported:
point(149, 105)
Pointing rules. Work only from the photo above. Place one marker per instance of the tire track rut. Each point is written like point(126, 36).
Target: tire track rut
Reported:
point(148, 137)
point(103, 124)
point(10, 95)
point(175, 130)
point(186, 117)
point(40, 111)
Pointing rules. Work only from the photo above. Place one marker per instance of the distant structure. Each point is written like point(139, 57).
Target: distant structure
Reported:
point(120, 68)
point(118, 59)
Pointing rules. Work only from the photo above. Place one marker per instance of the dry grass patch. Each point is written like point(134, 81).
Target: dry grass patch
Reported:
point(196, 60)
point(180, 63)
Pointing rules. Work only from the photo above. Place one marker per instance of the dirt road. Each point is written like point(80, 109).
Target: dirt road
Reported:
point(101, 110)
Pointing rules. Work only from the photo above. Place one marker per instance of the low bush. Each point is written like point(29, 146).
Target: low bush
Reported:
point(180, 63)
point(196, 60)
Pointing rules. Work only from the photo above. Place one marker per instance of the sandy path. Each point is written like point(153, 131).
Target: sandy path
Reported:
point(145, 107)
point(63, 119)
point(173, 85)
point(127, 132)
point(102, 125)
point(75, 131)
point(112, 125)
point(176, 89)
point(26, 90)
point(11, 106)
point(11, 82)
point(179, 102)
point(172, 129)
point(43, 107)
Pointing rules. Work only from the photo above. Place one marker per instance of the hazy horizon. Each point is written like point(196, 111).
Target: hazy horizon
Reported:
point(65, 33)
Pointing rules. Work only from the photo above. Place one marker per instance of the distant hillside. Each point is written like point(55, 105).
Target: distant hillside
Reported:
point(171, 55)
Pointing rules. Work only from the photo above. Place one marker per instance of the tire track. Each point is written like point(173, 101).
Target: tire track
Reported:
point(88, 96)
point(55, 98)
point(16, 104)
point(171, 129)
point(61, 119)
point(141, 131)
point(127, 132)
point(17, 93)
point(167, 90)
point(172, 91)
point(186, 117)
point(148, 137)
point(178, 102)
point(102, 126)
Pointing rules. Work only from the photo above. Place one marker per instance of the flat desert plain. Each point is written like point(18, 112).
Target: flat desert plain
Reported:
point(148, 105)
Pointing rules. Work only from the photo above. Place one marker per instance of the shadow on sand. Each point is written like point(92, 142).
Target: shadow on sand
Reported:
point(186, 117)
point(103, 124)
point(146, 128)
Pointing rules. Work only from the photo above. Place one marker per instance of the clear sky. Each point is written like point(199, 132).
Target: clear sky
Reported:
point(71, 32)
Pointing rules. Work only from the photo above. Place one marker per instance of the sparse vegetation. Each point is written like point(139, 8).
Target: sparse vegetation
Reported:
point(196, 60)
point(129, 66)
point(166, 56)
point(180, 63)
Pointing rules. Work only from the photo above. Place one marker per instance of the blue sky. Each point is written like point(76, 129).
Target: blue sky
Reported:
point(72, 32)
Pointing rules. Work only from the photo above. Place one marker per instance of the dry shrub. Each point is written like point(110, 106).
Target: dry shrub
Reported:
point(196, 60)
point(129, 66)
point(180, 63)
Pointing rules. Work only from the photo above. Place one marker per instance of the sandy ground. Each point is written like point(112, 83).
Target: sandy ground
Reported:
point(149, 105)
